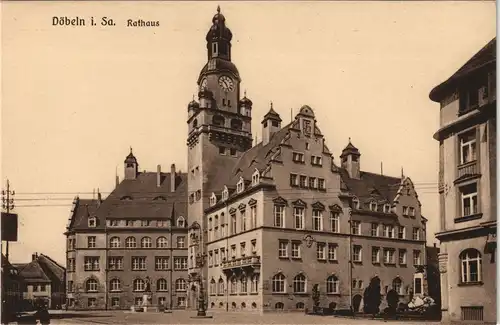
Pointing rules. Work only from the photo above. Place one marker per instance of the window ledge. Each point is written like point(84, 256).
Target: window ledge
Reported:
point(333, 261)
point(279, 293)
point(333, 294)
point(468, 284)
point(253, 293)
point(297, 258)
point(301, 294)
point(469, 217)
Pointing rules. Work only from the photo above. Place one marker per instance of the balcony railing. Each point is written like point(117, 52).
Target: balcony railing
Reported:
point(242, 262)
point(468, 169)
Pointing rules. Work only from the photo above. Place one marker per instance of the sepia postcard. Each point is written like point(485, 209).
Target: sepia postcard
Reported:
point(248, 162)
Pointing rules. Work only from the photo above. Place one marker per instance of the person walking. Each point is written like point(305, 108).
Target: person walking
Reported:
point(42, 315)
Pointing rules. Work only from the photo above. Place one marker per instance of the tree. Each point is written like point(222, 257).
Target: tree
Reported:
point(372, 297)
point(392, 300)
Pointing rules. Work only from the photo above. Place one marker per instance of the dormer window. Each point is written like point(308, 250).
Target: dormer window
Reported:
point(181, 222)
point(240, 186)
point(298, 157)
point(225, 193)
point(159, 198)
point(355, 203)
point(387, 208)
point(255, 178)
point(126, 198)
point(373, 206)
point(92, 221)
point(213, 199)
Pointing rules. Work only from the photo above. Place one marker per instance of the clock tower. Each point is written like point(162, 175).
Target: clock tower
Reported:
point(219, 130)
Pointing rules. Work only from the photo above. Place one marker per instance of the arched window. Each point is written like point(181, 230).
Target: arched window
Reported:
point(373, 206)
point(218, 120)
point(91, 285)
point(255, 283)
point(299, 283)
point(236, 124)
point(279, 305)
point(300, 305)
point(114, 242)
point(180, 285)
point(471, 263)
point(146, 242)
point(181, 222)
point(332, 284)
point(279, 283)
point(397, 285)
point(355, 203)
point(130, 242)
point(234, 285)
point(161, 285)
point(220, 289)
point(139, 285)
point(161, 242)
point(115, 285)
point(244, 284)
point(213, 287)
point(254, 305)
point(243, 305)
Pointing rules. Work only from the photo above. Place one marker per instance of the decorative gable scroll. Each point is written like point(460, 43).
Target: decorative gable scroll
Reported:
point(318, 206)
point(280, 201)
point(252, 202)
point(299, 203)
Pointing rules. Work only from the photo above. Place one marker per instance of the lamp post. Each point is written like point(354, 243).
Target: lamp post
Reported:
point(200, 260)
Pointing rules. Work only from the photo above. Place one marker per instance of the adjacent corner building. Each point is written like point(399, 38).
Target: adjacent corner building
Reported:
point(467, 189)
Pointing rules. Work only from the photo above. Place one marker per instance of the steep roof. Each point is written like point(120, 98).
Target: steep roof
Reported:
point(135, 198)
point(371, 186)
point(487, 55)
point(51, 268)
point(33, 272)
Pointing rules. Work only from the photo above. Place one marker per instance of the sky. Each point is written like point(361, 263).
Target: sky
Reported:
point(74, 99)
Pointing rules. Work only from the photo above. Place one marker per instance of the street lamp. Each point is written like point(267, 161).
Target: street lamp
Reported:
point(200, 260)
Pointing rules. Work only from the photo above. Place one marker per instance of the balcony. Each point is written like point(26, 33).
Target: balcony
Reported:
point(246, 263)
point(467, 170)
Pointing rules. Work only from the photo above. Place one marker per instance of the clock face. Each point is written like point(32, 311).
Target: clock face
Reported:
point(226, 83)
point(203, 84)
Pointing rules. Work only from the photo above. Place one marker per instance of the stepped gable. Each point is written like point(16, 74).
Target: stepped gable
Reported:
point(371, 186)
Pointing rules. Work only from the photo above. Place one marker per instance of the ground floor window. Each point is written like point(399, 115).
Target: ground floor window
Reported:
point(115, 302)
point(279, 305)
point(300, 305)
point(181, 302)
point(92, 302)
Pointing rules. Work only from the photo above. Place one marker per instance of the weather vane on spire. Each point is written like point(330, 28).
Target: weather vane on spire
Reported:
point(218, 9)
point(271, 104)
point(130, 149)
point(245, 93)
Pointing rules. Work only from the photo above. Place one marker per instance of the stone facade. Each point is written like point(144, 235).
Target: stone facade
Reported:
point(467, 189)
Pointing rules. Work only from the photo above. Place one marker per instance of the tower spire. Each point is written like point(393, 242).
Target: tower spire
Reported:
point(218, 9)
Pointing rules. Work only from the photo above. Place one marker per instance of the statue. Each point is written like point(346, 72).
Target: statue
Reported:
point(147, 292)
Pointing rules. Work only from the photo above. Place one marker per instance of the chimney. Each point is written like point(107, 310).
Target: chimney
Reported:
point(158, 176)
point(117, 181)
point(99, 198)
point(172, 178)
point(33, 256)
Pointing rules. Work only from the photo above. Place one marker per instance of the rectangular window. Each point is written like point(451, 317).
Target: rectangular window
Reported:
point(294, 180)
point(355, 227)
point(317, 220)
point(210, 258)
point(334, 222)
point(467, 146)
point(253, 217)
point(303, 181)
point(418, 286)
point(412, 212)
point(357, 254)
point(389, 231)
point(42, 287)
point(254, 245)
point(91, 263)
point(389, 256)
point(92, 302)
point(405, 210)
point(91, 242)
point(416, 234)
point(129, 223)
point(279, 216)
point(298, 214)
point(71, 287)
point(312, 182)
point(71, 265)
point(468, 195)
point(115, 263)
point(374, 229)
point(243, 218)
point(375, 255)
point(181, 242)
point(233, 251)
point(243, 249)
point(295, 249)
point(401, 232)
point(145, 223)
point(233, 224)
point(416, 258)
point(222, 150)
point(332, 252)
point(320, 251)
point(180, 263)
point(321, 184)
point(35, 288)
point(216, 257)
point(316, 161)
point(161, 263)
point(402, 257)
point(283, 249)
point(139, 263)
point(298, 157)
point(115, 302)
